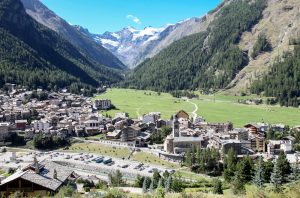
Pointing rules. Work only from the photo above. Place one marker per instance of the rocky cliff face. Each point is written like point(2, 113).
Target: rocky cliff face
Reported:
point(280, 23)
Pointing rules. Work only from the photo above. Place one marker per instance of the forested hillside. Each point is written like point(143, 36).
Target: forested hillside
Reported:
point(38, 11)
point(33, 55)
point(207, 60)
point(283, 80)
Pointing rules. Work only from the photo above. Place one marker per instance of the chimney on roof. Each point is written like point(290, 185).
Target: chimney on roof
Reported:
point(36, 165)
point(54, 174)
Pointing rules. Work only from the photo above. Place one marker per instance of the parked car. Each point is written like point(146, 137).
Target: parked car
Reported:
point(107, 161)
point(125, 166)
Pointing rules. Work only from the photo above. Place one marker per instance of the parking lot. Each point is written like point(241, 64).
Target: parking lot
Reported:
point(81, 163)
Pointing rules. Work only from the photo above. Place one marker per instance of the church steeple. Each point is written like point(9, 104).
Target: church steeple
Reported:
point(175, 126)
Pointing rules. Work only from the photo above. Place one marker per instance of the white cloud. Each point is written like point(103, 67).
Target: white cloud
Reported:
point(134, 19)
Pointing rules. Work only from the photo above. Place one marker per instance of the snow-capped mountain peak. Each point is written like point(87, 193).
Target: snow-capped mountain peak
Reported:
point(148, 31)
point(128, 41)
point(132, 46)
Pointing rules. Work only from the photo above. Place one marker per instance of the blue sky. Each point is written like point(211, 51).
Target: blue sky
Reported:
point(113, 15)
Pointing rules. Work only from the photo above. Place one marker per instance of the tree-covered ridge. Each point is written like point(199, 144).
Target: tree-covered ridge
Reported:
point(282, 81)
point(35, 56)
point(205, 60)
point(261, 45)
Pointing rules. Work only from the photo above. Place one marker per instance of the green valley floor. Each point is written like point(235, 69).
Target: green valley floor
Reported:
point(214, 108)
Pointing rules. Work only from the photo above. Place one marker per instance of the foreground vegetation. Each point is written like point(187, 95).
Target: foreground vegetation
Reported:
point(214, 108)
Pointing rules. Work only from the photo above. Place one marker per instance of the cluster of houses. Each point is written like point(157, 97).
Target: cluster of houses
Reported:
point(61, 114)
point(249, 140)
point(65, 115)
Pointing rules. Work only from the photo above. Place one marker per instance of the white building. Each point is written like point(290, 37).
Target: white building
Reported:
point(275, 146)
point(42, 125)
point(102, 104)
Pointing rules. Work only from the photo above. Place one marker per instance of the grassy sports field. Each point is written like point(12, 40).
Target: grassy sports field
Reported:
point(217, 108)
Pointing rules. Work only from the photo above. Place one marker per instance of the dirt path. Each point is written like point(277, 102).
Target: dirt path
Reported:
point(195, 110)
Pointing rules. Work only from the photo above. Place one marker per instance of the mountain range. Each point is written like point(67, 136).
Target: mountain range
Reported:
point(33, 55)
point(129, 45)
point(86, 44)
point(133, 46)
point(247, 47)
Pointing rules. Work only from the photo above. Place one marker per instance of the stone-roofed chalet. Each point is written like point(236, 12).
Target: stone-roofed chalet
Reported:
point(37, 179)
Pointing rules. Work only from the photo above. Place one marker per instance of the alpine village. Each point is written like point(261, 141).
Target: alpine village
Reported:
point(202, 108)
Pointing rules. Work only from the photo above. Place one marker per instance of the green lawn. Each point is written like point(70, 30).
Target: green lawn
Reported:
point(137, 103)
point(95, 137)
point(217, 108)
point(153, 159)
point(187, 174)
point(101, 149)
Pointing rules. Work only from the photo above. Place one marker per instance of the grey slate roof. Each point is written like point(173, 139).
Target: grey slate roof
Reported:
point(45, 177)
point(188, 139)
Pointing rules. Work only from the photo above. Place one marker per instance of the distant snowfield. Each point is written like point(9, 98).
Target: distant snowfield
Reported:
point(109, 42)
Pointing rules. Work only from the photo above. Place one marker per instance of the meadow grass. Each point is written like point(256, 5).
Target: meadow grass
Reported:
point(101, 149)
point(149, 158)
point(214, 108)
point(227, 110)
point(137, 103)
point(187, 174)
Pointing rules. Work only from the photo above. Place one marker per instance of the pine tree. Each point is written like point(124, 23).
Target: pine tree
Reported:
point(283, 165)
point(230, 165)
point(145, 185)
point(189, 158)
point(276, 177)
point(294, 175)
point(166, 175)
point(151, 188)
point(245, 169)
point(139, 181)
point(155, 178)
point(268, 166)
point(238, 184)
point(160, 183)
point(177, 184)
point(258, 179)
point(168, 184)
point(217, 187)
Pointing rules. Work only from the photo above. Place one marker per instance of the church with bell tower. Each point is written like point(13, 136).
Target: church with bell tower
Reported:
point(175, 126)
